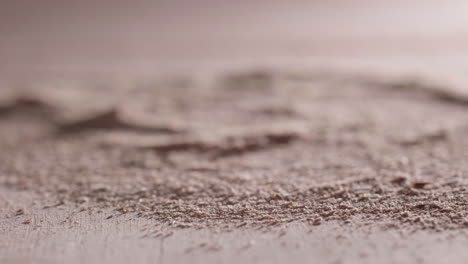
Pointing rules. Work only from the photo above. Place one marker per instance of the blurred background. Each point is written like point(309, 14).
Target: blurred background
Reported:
point(65, 37)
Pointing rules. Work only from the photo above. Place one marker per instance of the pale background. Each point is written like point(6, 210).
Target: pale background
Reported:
point(99, 37)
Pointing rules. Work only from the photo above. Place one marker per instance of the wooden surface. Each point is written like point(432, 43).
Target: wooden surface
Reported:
point(426, 39)
point(64, 235)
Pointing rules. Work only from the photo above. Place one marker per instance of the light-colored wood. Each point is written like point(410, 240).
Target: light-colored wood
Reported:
point(427, 38)
point(64, 235)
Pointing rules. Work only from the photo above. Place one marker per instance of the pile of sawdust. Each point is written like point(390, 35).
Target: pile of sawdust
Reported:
point(255, 148)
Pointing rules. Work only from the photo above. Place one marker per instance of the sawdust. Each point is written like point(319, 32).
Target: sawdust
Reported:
point(260, 149)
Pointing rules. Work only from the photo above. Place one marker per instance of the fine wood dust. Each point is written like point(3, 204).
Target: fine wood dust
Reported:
point(255, 148)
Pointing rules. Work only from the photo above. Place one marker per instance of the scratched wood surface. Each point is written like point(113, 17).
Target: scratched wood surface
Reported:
point(64, 235)
point(358, 36)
